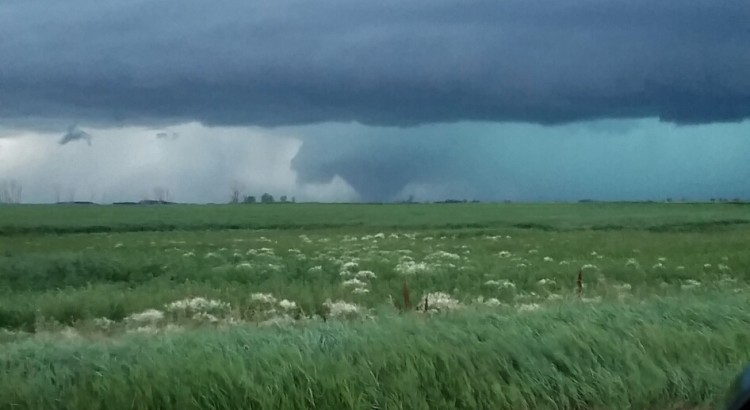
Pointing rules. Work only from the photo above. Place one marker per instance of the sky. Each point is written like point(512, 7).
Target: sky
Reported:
point(353, 100)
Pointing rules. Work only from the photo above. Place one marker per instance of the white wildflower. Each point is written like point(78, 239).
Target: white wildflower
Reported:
point(504, 283)
point(354, 282)
point(149, 315)
point(658, 265)
point(393, 236)
point(197, 304)
point(680, 268)
point(444, 255)
point(287, 304)
point(727, 280)
point(724, 268)
point(632, 262)
point(661, 259)
point(263, 298)
point(103, 322)
point(707, 266)
point(119, 245)
point(494, 302)
point(148, 330)
point(690, 284)
point(528, 307)
point(340, 308)
point(439, 301)
point(533, 251)
point(245, 265)
point(589, 266)
point(564, 263)
point(305, 239)
point(504, 254)
point(188, 254)
point(365, 274)
point(205, 317)
point(360, 291)
point(315, 270)
point(409, 267)
point(521, 265)
point(350, 266)
point(379, 235)
point(548, 259)
point(623, 287)
point(544, 282)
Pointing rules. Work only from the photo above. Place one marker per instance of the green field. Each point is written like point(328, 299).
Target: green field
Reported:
point(302, 306)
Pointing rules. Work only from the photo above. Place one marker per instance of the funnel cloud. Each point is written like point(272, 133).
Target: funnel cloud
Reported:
point(75, 134)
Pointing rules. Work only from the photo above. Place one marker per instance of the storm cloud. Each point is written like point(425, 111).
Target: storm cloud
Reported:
point(603, 160)
point(392, 62)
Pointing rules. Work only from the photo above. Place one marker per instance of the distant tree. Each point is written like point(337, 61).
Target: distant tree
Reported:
point(58, 192)
point(266, 198)
point(236, 189)
point(161, 194)
point(249, 200)
point(294, 200)
point(283, 198)
point(10, 192)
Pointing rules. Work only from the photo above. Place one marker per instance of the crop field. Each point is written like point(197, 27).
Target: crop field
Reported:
point(471, 306)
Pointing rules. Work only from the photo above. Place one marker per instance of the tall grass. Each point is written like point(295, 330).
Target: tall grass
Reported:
point(667, 326)
point(655, 355)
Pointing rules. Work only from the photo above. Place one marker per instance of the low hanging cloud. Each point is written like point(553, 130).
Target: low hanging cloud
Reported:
point(167, 135)
point(391, 62)
point(75, 134)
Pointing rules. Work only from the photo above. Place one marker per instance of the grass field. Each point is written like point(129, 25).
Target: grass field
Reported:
point(303, 306)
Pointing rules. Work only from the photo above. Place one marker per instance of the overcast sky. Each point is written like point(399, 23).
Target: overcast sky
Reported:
point(354, 100)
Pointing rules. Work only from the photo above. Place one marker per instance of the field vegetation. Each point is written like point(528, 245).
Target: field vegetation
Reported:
point(372, 306)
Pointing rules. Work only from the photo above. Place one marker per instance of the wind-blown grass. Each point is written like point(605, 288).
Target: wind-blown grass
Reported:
point(656, 354)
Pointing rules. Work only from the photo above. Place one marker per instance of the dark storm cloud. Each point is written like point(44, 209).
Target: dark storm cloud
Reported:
point(605, 160)
point(75, 134)
point(388, 62)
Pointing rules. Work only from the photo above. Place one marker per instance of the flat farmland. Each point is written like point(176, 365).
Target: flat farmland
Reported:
point(418, 306)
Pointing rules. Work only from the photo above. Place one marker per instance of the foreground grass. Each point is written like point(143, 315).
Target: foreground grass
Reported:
point(656, 354)
point(88, 296)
